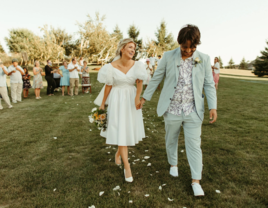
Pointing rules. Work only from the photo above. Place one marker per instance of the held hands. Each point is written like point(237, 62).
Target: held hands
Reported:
point(137, 103)
point(212, 115)
point(142, 102)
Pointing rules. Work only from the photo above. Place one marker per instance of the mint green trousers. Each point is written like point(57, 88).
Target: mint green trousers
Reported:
point(192, 134)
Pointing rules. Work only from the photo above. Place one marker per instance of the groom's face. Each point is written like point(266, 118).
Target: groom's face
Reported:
point(187, 49)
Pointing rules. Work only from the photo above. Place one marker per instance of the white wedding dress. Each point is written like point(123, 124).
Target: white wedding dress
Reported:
point(125, 123)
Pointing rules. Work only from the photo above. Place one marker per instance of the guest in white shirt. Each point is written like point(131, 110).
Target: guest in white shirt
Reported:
point(158, 61)
point(3, 86)
point(153, 59)
point(216, 72)
point(74, 69)
point(15, 73)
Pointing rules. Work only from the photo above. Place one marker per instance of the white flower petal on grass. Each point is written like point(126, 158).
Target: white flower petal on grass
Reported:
point(92, 206)
point(94, 109)
point(110, 146)
point(110, 159)
point(160, 188)
point(90, 130)
point(149, 164)
point(164, 184)
point(108, 152)
point(170, 199)
point(130, 201)
point(129, 192)
point(54, 189)
point(129, 152)
point(77, 104)
point(218, 191)
point(55, 137)
point(182, 151)
point(148, 129)
point(133, 155)
point(101, 193)
point(143, 160)
point(146, 150)
point(151, 174)
point(133, 163)
point(137, 173)
point(146, 157)
point(118, 193)
point(146, 195)
point(157, 171)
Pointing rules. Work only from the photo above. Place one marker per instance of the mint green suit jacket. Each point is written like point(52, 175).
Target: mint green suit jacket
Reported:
point(168, 69)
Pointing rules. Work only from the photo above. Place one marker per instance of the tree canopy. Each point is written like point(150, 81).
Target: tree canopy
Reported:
point(261, 63)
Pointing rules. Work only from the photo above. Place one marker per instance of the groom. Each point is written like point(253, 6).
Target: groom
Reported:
point(186, 72)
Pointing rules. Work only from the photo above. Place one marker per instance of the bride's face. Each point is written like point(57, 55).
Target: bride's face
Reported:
point(129, 50)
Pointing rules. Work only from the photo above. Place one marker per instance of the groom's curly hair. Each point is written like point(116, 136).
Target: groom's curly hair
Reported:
point(189, 32)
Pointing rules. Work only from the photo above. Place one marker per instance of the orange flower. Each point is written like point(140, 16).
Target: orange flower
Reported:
point(102, 117)
point(95, 114)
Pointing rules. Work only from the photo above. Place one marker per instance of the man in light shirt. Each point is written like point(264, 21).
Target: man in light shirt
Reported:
point(153, 59)
point(74, 69)
point(3, 86)
point(15, 72)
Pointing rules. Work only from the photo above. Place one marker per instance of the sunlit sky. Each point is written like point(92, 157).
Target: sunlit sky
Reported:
point(229, 28)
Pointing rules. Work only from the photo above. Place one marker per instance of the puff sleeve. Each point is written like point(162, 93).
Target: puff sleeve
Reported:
point(105, 75)
point(141, 72)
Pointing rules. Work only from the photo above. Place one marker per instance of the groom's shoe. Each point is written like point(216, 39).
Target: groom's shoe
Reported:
point(198, 191)
point(174, 171)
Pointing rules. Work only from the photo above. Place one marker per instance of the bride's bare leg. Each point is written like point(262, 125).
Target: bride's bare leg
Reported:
point(124, 155)
point(117, 157)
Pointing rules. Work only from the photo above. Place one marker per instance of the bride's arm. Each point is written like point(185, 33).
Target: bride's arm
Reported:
point(107, 91)
point(138, 94)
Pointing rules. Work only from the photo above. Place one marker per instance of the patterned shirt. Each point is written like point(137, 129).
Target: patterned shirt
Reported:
point(183, 98)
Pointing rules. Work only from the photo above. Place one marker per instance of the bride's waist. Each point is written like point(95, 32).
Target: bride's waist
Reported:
point(124, 86)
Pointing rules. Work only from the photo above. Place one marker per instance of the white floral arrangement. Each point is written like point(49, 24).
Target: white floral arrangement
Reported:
point(99, 117)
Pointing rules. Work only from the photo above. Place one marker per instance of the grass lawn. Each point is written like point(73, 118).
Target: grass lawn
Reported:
point(77, 164)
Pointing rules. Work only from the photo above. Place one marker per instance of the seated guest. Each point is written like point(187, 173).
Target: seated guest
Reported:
point(74, 69)
point(51, 84)
point(65, 79)
point(3, 86)
point(85, 77)
point(57, 77)
point(15, 72)
point(37, 80)
point(26, 82)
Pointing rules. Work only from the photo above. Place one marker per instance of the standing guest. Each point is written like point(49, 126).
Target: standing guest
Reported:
point(65, 80)
point(26, 82)
point(81, 61)
point(85, 77)
point(37, 80)
point(3, 86)
point(159, 59)
point(149, 70)
point(216, 72)
point(74, 77)
point(15, 73)
point(51, 84)
point(152, 62)
point(57, 78)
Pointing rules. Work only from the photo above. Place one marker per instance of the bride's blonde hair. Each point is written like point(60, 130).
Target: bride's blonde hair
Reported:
point(122, 44)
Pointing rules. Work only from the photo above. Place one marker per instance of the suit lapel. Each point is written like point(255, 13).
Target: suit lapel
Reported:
point(177, 59)
point(195, 68)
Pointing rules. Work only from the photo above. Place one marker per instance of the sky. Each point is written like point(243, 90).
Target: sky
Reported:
point(229, 29)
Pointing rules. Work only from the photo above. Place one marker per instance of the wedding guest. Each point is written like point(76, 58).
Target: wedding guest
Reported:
point(37, 80)
point(216, 72)
point(74, 69)
point(57, 78)
point(15, 73)
point(81, 61)
point(149, 70)
point(3, 86)
point(159, 59)
point(153, 59)
point(85, 77)
point(65, 79)
point(26, 82)
point(51, 84)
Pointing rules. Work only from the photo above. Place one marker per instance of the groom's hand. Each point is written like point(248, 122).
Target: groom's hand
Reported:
point(142, 102)
point(213, 115)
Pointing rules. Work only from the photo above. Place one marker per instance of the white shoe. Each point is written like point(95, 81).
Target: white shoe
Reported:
point(39, 97)
point(198, 191)
point(130, 179)
point(14, 101)
point(174, 171)
point(10, 106)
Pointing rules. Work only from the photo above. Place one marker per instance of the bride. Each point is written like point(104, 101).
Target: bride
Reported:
point(125, 122)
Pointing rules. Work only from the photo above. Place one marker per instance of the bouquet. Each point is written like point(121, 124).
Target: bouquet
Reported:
point(99, 117)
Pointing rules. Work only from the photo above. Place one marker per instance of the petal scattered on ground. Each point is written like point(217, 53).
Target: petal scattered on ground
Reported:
point(146, 195)
point(164, 184)
point(130, 201)
point(149, 164)
point(116, 188)
point(101, 193)
point(170, 199)
point(146, 157)
point(160, 188)
point(55, 137)
point(218, 191)
point(54, 189)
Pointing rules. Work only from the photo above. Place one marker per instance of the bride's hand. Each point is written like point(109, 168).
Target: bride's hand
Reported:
point(102, 107)
point(137, 103)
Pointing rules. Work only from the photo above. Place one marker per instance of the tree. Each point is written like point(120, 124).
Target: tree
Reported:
point(134, 33)
point(220, 62)
point(165, 40)
point(243, 64)
point(231, 64)
point(117, 33)
point(261, 63)
point(1, 49)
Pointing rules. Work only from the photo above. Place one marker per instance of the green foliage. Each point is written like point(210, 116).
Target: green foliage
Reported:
point(220, 62)
point(231, 63)
point(243, 64)
point(1, 49)
point(134, 33)
point(261, 63)
point(117, 33)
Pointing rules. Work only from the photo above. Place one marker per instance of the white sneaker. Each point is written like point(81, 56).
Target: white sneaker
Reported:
point(174, 171)
point(10, 106)
point(198, 191)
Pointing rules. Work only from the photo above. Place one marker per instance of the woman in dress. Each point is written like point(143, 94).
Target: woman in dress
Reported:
point(125, 123)
point(216, 72)
point(26, 82)
point(149, 70)
point(37, 79)
point(65, 79)
point(85, 77)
